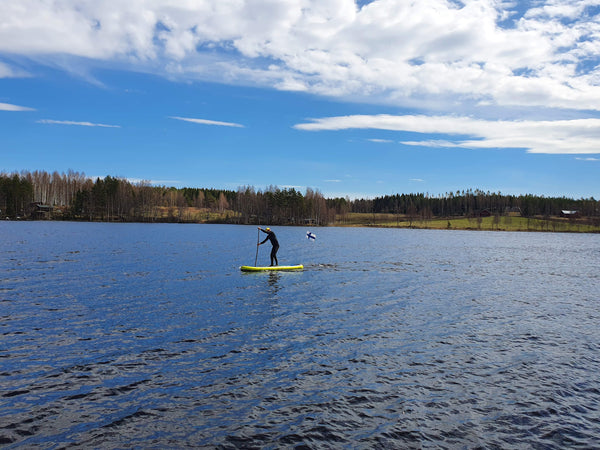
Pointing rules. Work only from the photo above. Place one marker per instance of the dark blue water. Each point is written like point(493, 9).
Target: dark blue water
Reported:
point(149, 336)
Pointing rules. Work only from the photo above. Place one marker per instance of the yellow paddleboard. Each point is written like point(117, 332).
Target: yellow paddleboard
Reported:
point(259, 269)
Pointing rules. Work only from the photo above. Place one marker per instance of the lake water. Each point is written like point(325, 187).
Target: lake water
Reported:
point(149, 336)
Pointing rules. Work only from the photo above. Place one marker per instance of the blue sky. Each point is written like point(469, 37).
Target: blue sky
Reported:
point(351, 98)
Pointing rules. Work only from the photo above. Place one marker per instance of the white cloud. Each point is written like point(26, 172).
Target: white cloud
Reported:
point(432, 143)
point(577, 136)
point(209, 122)
point(390, 51)
point(144, 181)
point(155, 182)
point(7, 71)
point(71, 122)
point(381, 141)
point(9, 107)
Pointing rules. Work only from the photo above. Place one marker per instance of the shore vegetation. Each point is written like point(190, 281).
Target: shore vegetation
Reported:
point(41, 195)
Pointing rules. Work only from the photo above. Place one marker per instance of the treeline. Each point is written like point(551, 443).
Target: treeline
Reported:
point(15, 195)
point(282, 206)
point(118, 199)
point(475, 202)
point(73, 196)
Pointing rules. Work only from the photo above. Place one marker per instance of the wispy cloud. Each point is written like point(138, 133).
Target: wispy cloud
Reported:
point(332, 181)
point(155, 182)
point(209, 122)
point(418, 180)
point(7, 71)
point(71, 122)
point(145, 181)
point(9, 107)
point(432, 143)
point(577, 136)
point(381, 141)
point(588, 159)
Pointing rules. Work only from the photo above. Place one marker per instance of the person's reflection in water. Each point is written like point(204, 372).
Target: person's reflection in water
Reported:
point(274, 281)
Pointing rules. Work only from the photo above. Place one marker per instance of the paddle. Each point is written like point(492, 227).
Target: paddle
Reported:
point(257, 240)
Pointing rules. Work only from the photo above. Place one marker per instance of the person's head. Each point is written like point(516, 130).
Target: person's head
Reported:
point(268, 229)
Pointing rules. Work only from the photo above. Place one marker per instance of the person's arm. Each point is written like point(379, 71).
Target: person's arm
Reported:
point(265, 238)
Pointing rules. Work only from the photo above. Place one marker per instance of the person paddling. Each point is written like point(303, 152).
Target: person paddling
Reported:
point(271, 237)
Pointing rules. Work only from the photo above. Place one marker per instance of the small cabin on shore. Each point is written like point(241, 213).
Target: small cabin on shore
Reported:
point(570, 214)
point(39, 211)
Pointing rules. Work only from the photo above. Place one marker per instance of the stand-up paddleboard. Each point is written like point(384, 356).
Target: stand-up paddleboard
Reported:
point(261, 268)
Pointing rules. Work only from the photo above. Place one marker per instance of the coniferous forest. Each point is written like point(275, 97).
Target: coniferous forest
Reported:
point(73, 196)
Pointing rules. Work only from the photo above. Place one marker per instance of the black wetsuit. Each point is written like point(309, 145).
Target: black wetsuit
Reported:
point(271, 237)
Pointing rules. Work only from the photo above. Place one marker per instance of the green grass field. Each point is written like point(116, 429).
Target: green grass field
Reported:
point(504, 223)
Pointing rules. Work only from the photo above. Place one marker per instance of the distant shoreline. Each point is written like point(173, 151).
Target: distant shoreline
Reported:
point(366, 220)
point(73, 196)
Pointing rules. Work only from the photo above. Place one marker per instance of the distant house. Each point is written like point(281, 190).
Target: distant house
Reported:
point(569, 214)
point(485, 213)
point(39, 211)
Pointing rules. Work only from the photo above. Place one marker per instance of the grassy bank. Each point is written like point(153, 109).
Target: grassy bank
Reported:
point(504, 223)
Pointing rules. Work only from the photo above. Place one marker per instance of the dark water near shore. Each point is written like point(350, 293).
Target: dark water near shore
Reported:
point(149, 336)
